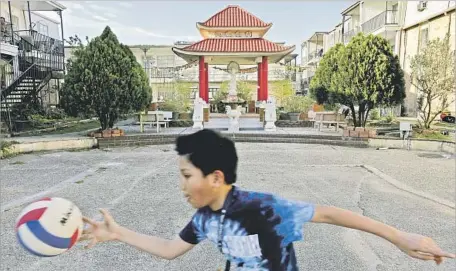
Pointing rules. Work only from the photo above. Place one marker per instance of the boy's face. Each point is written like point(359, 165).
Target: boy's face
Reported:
point(200, 191)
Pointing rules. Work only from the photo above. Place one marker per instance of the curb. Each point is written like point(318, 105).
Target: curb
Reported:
point(408, 189)
point(143, 140)
point(415, 144)
point(52, 145)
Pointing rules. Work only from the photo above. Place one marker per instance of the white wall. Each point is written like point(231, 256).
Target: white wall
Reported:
point(21, 20)
point(433, 7)
point(41, 21)
point(372, 9)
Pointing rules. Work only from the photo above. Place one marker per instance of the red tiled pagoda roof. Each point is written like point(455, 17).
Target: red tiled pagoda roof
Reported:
point(235, 46)
point(234, 16)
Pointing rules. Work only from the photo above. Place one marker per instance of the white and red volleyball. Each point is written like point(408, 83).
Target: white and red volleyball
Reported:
point(49, 227)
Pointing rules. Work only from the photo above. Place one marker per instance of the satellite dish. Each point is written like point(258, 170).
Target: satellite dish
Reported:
point(233, 67)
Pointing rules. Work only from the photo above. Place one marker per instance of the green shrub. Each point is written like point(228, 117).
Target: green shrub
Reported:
point(297, 104)
point(375, 114)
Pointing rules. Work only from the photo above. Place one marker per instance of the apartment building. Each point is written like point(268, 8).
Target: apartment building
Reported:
point(407, 25)
point(311, 52)
point(32, 53)
point(424, 21)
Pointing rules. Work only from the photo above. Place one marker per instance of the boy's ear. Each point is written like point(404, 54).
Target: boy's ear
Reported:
point(219, 177)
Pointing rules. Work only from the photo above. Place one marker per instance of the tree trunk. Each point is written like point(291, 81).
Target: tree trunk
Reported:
point(352, 109)
point(428, 120)
point(366, 116)
point(112, 119)
point(361, 110)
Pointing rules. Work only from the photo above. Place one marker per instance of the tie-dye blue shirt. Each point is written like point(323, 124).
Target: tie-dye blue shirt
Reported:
point(258, 231)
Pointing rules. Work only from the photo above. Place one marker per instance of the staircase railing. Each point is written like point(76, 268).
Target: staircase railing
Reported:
point(47, 51)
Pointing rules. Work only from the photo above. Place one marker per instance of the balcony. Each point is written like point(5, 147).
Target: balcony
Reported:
point(388, 17)
point(350, 34)
point(315, 55)
point(41, 49)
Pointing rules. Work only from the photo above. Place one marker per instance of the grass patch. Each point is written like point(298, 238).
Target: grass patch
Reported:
point(71, 128)
point(432, 134)
point(80, 182)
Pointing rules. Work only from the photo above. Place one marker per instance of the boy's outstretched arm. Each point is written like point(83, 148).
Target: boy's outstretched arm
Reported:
point(109, 230)
point(415, 245)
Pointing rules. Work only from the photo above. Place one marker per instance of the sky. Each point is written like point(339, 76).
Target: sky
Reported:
point(164, 22)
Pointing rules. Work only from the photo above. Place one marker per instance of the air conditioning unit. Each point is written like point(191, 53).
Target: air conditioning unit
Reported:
point(422, 5)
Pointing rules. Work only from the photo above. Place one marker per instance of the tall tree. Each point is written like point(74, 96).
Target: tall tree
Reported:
point(104, 79)
point(363, 74)
point(281, 90)
point(320, 85)
point(433, 74)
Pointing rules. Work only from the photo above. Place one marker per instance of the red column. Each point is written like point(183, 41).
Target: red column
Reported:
point(206, 88)
point(259, 82)
point(264, 79)
point(202, 79)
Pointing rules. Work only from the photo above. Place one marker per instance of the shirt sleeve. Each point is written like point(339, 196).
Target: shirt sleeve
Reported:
point(192, 233)
point(292, 215)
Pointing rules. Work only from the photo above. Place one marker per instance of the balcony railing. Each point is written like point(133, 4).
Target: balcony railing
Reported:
point(43, 50)
point(350, 34)
point(388, 17)
point(315, 55)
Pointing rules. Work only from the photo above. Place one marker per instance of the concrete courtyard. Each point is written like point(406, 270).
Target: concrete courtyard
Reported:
point(410, 190)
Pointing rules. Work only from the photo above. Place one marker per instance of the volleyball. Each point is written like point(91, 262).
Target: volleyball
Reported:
point(49, 227)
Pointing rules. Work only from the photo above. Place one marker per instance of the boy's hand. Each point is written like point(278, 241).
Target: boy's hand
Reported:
point(421, 247)
point(103, 231)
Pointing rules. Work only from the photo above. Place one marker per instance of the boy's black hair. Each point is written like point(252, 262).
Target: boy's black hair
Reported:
point(209, 151)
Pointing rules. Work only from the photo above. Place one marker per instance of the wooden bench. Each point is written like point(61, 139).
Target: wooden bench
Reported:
point(328, 118)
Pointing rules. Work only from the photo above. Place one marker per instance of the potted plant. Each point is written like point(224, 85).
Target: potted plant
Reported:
point(295, 105)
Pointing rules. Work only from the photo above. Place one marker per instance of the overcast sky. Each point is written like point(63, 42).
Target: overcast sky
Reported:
point(163, 22)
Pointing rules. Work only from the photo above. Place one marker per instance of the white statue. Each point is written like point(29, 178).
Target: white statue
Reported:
point(233, 115)
point(270, 116)
point(198, 113)
point(233, 68)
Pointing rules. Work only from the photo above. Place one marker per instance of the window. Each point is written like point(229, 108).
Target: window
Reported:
point(424, 38)
point(422, 5)
point(42, 28)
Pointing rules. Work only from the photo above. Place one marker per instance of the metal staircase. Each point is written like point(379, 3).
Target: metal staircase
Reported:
point(39, 57)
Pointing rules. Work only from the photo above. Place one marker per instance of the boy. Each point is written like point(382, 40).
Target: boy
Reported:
point(255, 231)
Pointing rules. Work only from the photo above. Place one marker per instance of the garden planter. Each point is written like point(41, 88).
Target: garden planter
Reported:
point(359, 132)
point(294, 116)
point(107, 133)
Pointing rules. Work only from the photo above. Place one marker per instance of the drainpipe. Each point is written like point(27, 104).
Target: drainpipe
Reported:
point(63, 41)
point(11, 21)
point(343, 27)
point(30, 17)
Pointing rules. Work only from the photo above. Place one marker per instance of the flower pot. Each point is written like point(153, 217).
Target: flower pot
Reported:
point(294, 116)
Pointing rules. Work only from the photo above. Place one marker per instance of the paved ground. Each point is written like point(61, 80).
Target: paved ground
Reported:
point(140, 187)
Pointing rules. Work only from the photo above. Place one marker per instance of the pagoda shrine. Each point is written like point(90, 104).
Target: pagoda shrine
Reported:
point(233, 35)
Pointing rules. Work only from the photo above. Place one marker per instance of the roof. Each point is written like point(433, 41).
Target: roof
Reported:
point(350, 8)
point(236, 46)
point(234, 16)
